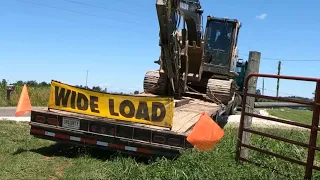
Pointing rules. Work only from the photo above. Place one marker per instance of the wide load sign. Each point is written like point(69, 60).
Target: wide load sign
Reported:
point(156, 111)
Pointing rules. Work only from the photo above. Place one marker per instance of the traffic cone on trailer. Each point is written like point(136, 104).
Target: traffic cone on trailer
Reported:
point(24, 104)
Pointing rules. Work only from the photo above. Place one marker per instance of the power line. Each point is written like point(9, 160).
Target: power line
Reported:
point(102, 7)
point(284, 93)
point(75, 21)
point(278, 59)
point(93, 15)
point(78, 12)
point(135, 3)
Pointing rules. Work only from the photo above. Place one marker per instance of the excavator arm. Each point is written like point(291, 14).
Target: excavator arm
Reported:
point(169, 15)
point(193, 63)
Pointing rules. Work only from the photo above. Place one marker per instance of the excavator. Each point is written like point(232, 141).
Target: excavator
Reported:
point(193, 62)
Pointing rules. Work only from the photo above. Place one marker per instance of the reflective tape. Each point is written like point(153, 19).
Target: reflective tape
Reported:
point(90, 141)
point(50, 134)
point(72, 138)
point(129, 148)
point(100, 143)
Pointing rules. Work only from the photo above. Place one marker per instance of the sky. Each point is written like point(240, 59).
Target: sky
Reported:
point(117, 41)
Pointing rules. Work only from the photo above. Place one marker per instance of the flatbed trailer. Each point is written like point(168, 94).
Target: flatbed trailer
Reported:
point(129, 137)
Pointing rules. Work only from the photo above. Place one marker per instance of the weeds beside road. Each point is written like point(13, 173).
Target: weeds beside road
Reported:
point(25, 157)
point(38, 96)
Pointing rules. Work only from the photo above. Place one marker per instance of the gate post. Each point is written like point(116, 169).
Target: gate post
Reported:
point(313, 133)
point(248, 102)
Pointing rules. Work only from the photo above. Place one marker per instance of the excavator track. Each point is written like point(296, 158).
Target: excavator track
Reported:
point(155, 82)
point(221, 90)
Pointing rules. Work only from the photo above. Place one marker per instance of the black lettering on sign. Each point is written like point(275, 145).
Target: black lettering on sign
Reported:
point(77, 100)
point(111, 108)
point(61, 98)
point(142, 111)
point(73, 99)
point(155, 107)
point(93, 106)
point(82, 98)
point(129, 104)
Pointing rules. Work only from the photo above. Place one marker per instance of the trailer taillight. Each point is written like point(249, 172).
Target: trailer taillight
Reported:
point(93, 128)
point(40, 119)
point(112, 131)
point(174, 142)
point(52, 121)
point(159, 139)
point(103, 130)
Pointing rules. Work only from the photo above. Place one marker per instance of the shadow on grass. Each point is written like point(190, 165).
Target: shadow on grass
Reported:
point(74, 151)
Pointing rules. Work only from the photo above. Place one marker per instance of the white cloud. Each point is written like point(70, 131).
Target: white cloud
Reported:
point(262, 16)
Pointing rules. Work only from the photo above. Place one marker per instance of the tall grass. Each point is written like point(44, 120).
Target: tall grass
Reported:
point(39, 95)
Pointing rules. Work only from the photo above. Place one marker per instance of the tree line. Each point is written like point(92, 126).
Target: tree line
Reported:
point(33, 83)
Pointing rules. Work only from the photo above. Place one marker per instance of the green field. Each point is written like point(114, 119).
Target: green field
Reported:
point(25, 157)
point(302, 116)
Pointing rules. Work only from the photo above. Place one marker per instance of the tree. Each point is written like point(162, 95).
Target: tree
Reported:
point(314, 96)
point(97, 88)
point(3, 84)
point(43, 83)
point(19, 83)
point(32, 83)
point(258, 92)
point(136, 92)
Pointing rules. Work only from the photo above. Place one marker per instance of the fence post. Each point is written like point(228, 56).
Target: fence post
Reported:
point(10, 88)
point(253, 67)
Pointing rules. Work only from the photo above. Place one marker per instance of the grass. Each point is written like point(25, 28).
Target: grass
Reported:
point(25, 157)
point(39, 96)
point(302, 116)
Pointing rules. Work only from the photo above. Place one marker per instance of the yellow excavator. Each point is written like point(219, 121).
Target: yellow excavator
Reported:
point(193, 62)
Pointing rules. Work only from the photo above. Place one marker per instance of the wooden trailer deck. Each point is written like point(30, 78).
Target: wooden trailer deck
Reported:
point(186, 114)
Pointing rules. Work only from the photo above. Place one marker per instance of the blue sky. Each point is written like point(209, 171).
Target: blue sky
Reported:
point(117, 44)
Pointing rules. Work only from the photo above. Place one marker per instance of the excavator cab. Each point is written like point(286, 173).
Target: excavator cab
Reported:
point(220, 46)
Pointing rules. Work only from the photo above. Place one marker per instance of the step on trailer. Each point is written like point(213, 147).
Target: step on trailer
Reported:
point(65, 123)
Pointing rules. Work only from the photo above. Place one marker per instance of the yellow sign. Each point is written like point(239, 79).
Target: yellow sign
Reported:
point(156, 111)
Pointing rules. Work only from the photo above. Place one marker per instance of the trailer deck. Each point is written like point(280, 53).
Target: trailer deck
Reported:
point(186, 113)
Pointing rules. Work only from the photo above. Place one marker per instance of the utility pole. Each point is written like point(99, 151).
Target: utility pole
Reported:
point(263, 86)
point(87, 80)
point(278, 80)
point(253, 67)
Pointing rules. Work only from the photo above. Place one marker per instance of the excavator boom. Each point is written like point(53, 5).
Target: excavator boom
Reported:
point(169, 14)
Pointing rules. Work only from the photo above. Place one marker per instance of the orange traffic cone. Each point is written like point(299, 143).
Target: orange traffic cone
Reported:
point(24, 104)
point(206, 133)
